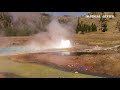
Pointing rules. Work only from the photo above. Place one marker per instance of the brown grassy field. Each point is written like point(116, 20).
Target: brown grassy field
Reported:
point(98, 38)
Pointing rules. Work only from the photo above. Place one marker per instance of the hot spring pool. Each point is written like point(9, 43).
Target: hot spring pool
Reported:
point(31, 69)
point(15, 50)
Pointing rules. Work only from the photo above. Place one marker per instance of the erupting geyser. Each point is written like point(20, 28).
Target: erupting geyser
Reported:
point(65, 44)
point(57, 36)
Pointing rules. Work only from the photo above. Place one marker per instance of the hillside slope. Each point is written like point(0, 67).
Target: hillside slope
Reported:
point(110, 22)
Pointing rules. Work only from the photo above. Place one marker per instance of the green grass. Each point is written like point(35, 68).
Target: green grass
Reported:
point(30, 70)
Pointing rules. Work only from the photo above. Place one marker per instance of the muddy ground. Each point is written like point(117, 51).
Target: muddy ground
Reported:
point(103, 64)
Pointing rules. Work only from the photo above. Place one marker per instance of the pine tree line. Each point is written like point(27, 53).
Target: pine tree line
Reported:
point(85, 28)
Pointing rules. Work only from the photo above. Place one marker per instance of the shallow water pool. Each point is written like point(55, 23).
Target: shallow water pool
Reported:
point(15, 50)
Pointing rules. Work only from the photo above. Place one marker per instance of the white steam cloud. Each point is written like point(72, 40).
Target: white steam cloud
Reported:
point(52, 38)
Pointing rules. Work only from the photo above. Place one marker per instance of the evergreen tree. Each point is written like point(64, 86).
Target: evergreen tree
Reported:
point(85, 28)
point(89, 28)
point(78, 26)
point(102, 19)
point(103, 13)
point(82, 28)
point(104, 27)
point(103, 23)
point(94, 27)
point(114, 14)
point(118, 25)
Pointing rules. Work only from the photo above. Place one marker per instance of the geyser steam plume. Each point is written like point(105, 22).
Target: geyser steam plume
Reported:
point(56, 35)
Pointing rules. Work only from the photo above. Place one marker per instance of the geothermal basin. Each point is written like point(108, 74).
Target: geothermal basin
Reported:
point(84, 61)
point(10, 66)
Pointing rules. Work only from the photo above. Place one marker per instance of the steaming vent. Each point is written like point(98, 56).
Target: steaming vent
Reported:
point(65, 44)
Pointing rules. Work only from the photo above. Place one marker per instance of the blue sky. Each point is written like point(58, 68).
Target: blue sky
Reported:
point(67, 13)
